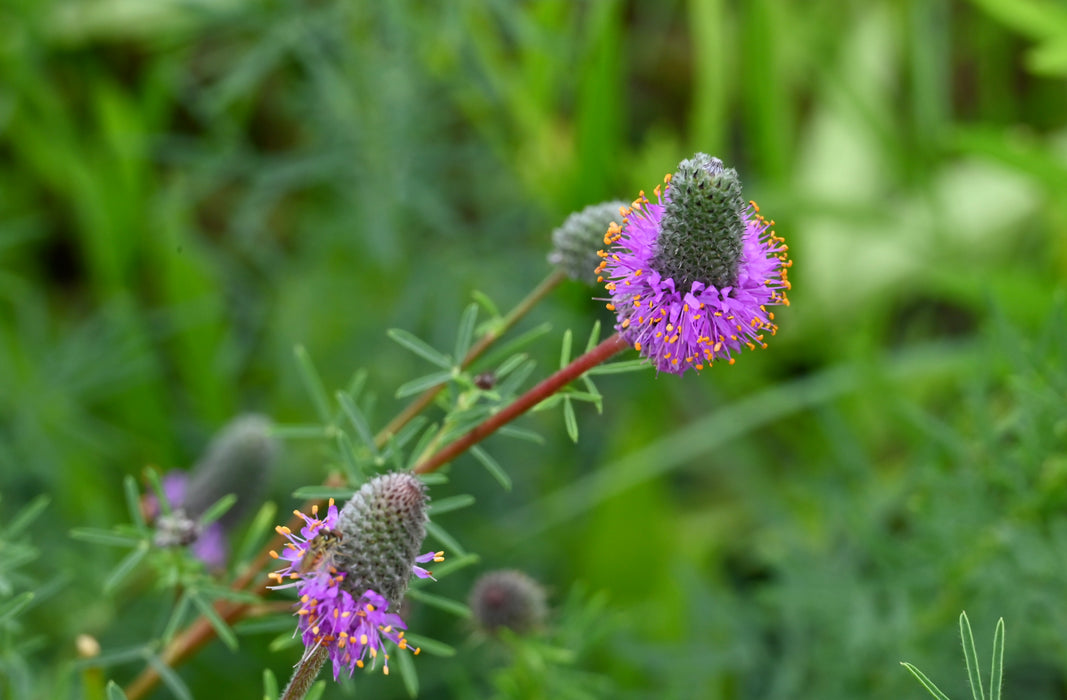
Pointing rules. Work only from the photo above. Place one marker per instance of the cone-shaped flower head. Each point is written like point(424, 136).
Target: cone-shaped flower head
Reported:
point(353, 565)
point(509, 599)
point(576, 242)
point(239, 460)
point(691, 275)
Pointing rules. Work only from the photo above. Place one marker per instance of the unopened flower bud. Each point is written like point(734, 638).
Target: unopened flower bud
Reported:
point(239, 460)
point(508, 599)
point(576, 242)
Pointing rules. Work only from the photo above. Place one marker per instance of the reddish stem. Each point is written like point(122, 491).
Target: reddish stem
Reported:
point(524, 403)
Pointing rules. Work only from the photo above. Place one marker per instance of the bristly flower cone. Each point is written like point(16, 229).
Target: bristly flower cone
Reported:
point(700, 238)
point(382, 528)
point(576, 242)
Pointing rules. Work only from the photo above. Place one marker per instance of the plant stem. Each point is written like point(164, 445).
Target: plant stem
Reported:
point(305, 674)
point(200, 631)
point(524, 403)
point(426, 398)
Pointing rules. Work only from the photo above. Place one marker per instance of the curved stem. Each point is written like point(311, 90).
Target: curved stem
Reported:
point(524, 403)
point(426, 398)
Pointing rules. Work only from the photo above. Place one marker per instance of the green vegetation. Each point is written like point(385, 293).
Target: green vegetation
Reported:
point(189, 189)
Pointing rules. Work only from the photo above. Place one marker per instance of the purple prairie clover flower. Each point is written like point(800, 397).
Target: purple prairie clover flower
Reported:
point(179, 528)
point(691, 274)
point(352, 624)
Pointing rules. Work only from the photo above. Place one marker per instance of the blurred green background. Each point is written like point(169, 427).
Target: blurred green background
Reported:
point(190, 188)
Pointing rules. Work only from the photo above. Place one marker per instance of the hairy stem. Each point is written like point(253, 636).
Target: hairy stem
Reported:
point(305, 674)
point(524, 403)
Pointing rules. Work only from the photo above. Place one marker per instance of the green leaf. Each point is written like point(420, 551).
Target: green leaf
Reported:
point(358, 420)
point(126, 566)
point(270, 685)
point(996, 678)
point(565, 349)
point(301, 432)
point(112, 658)
point(569, 419)
point(257, 531)
point(218, 509)
point(521, 434)
point(486, 303)
point(157, 487)
point(223, 630)
point(492, 466)
point(453, 607)
point(447, 505)
point(430, 646)
point(14, 606)
point(347, 452)
point(110, 538)
point(420, 384)
point(620, 367)
point(465, 332)
point(926, 682)
point(340, 493)
point(970, 655)
point(312, 383)
point(114, 692)
point(407, 671)
point(509, 348)
point(451, 544)
point(317, 691)
point(419, 347)
point(177, 617)
point(133, 501)
point(26, 516)
point(594, 337)
point(170, 679)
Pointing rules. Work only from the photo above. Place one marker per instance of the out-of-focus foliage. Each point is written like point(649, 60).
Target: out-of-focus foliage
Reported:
point(189, 189)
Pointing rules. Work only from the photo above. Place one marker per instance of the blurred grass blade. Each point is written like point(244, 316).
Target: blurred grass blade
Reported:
point(508, 349)
point(26, 516)
point(420, 347)
point(926, 682)
point(177, 617)
point(312, 383)
point(620, 367)
point(492, 466)
point(594, 337)
point(259, 529)
point(340, 493)
point(996, 678)
point(970, 655)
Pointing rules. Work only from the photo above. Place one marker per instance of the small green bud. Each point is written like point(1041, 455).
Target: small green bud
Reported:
point(380, 531)
point(510, 599)
point(703, 224)
point(576, 242)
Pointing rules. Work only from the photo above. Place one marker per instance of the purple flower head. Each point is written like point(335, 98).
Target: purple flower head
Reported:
point(691, 275)
point(352, 626)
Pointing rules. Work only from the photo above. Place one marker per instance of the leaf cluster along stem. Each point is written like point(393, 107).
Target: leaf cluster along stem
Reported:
point(201, 631)
point(524, 403)
point(426, 398)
